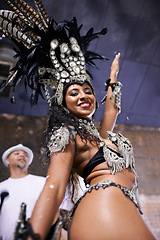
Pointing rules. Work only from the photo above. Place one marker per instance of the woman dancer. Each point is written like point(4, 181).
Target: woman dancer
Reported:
point(109, 209)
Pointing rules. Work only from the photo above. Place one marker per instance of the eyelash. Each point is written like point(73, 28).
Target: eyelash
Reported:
point(75, 94)
point(89, 92)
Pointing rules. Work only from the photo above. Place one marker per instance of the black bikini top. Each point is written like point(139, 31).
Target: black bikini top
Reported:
point(116, 160)
point(97, 159)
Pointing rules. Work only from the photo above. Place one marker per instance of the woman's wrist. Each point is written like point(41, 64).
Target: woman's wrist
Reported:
point(113, 77)
point(116, 93)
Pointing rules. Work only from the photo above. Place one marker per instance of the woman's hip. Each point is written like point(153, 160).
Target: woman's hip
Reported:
point(107, 213)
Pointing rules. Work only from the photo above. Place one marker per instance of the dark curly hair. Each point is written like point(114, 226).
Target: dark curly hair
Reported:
point(59, 117)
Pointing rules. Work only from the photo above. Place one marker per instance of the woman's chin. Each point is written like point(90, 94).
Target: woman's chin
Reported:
point(86, 115)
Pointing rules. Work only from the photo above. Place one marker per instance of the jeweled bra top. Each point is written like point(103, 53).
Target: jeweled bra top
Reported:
point(116, 160)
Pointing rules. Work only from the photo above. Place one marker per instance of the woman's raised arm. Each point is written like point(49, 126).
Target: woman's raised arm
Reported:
point(46, 209)
point(110, 115)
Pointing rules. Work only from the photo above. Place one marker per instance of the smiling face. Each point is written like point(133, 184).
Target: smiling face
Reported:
point(80, 100)
point(18, 159)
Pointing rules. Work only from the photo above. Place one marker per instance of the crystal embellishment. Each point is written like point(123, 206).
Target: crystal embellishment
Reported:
point(64, 48)
point(76, 70)
point(64, 74)
point(54, 44)
point(75, 48)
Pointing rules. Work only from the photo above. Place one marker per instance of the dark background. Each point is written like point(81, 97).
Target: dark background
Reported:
point(133, 30)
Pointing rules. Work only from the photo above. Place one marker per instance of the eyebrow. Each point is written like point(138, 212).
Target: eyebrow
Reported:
point(73, 89)
point(21, 151)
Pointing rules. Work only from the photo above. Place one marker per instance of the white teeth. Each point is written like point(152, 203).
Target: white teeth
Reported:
point(85, 104)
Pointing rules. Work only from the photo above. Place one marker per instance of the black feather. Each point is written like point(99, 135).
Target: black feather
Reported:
point(29, 59)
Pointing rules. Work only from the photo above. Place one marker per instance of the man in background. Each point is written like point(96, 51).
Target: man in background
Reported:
point(18, 188)
point(22, 187)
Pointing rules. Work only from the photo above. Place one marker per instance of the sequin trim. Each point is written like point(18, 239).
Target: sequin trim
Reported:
point(60, 138)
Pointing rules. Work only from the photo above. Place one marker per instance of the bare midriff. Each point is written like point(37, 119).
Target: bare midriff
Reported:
point(101, 173)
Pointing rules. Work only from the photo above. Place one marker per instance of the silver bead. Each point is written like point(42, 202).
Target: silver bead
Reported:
point(72, 64)
point(76, 69)
point(54, 43)
point(75, 48)
point(73, 40)
point(63, 47)
point(64, 74)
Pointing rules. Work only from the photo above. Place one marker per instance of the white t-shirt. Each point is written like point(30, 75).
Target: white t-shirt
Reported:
point(27, 190)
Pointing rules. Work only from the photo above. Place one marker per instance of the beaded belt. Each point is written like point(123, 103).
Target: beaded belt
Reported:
point(129, 193)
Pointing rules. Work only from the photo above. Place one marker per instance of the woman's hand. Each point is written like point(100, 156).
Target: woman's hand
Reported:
point(115, 68)
point(110, 115)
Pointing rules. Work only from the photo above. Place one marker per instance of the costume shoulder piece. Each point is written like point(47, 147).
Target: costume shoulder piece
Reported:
point(60, 138)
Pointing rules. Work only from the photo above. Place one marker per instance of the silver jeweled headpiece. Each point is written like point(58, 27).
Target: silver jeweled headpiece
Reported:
point(71, 68)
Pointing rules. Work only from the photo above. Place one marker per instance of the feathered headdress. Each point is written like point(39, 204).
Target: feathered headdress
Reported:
point(48, 53)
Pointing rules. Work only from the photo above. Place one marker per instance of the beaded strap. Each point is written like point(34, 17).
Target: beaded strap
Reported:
point(129, 193)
